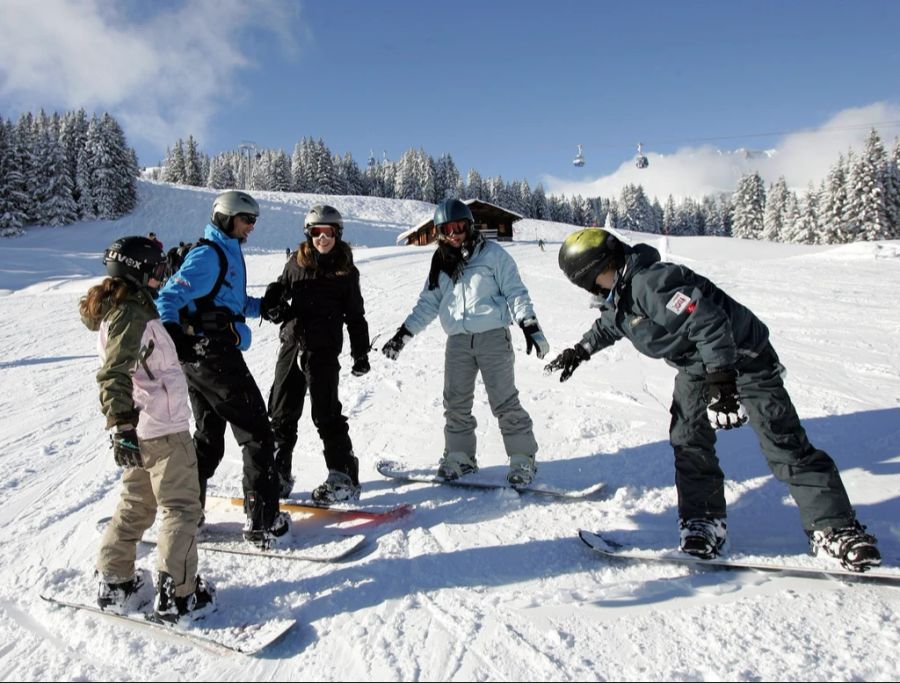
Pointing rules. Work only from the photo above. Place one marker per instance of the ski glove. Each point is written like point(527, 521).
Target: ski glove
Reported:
point(360, 366)
point(396, 343)
point(534, 338)
point(189, 348)
point(274, 304)
point(567, 361)
point(126, 449)
point(724, 410)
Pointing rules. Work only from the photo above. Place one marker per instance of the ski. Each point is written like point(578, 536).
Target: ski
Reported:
point(797, 564)
point(372, 517)
point(226, 537)
point(243, 638)
point(478, 480)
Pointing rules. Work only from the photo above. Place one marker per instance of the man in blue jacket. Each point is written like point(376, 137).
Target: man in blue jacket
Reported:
point(728, 374)
point(204, 306)
point(475, 289)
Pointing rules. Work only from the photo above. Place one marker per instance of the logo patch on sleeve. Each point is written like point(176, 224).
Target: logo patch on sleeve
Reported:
point(679, 303)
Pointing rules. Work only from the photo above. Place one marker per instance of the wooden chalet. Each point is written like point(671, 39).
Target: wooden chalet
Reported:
point(493, 221)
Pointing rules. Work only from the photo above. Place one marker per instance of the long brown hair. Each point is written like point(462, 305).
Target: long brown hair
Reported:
point(109, 293)
point(343, 257)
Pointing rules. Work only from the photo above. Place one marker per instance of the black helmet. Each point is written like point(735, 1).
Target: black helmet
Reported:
point(135, 259)
point(451, 210)
point(322, 214)
point(587, 253)
point(229, 204)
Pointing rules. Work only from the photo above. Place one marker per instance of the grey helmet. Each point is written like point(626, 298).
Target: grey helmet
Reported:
point(229, 204)
point(322, 214)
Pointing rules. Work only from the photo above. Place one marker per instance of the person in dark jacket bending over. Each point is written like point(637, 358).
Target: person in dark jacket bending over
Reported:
point(203, 307)
point(728, 374)
point(316, 295)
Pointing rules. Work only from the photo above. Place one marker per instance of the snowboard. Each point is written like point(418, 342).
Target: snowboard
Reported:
point(479, 480)
point(795, 564)
point(218, 631)
point(226, 537)
point(338, 513)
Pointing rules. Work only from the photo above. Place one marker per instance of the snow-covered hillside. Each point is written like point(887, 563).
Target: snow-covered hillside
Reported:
point(472, 585)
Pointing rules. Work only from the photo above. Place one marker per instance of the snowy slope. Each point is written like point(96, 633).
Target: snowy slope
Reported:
point(474, 585)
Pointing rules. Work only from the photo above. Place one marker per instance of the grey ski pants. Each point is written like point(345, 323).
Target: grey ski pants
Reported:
point(811, 475)
point(169, 480)
point(491, 353)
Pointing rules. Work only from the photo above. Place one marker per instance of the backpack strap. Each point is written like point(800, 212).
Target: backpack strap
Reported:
point(207, 300)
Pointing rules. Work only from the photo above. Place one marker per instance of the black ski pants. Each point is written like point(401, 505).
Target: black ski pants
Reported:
point(317, 372)
point(223, 391)
point(810, 473)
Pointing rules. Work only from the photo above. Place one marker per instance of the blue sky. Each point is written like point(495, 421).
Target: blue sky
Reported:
point(509, 88)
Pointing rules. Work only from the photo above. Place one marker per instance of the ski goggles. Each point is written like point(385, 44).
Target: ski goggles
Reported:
point(454, 228)
point(321, 231)
point(247, 218)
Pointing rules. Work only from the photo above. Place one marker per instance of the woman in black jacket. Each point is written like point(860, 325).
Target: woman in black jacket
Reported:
point(318, 293)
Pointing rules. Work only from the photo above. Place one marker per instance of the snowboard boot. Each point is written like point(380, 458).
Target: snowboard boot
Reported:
point(258, 530)
point(850, 545)
point(172, 609)
point(338, 487)
point(116, 594)
point(455, 465)
point(521, 470)
point(702, 537)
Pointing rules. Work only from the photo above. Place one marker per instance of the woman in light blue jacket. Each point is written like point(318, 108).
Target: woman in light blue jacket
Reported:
point(475, 289)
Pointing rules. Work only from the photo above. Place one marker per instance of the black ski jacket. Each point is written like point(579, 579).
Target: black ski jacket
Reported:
point(668, 311)
point(324, 295)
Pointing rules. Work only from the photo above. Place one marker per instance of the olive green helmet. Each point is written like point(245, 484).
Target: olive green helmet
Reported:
point(587, 253)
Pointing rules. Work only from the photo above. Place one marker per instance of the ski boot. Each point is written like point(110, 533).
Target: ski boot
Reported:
point(455, 465)
point(285, 485)
point(850, 545)
point(521, 470)
point(702, 537)
point(171, 609)
point(118, 595)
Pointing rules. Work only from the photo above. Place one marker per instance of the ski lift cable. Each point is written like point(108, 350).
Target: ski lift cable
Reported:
point(830, 129)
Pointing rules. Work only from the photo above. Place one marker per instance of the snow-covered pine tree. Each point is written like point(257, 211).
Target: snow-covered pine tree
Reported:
point(635, 212)
point(475, 185)
point(832, 203)
point(192, 164)
point(539, 208)
point(749, 207)
point(174, 169)
point(12, 219)
point(775, 215)
point(866, 197)
point(669, 217)
point(56, 204)
point(325, 181)
point(805, 229)
point(892, 190)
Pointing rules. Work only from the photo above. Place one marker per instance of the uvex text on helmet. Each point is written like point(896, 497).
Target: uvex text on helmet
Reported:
point(586, 253)
point(135, 259)
point(322, 214)
point(452, 210)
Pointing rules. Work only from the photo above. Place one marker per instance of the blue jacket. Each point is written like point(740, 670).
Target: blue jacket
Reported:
point(197, 276)
point(489, 295)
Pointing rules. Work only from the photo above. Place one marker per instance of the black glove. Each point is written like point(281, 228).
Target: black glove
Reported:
point(360, 366)
point(126, 449)
point(394, 345)
point(274, 305)
point(534, 338)
point(567, 361)
point(189, 348)
point(724, 410)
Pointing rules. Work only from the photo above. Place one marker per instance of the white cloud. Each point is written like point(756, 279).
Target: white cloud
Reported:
point(164, 75)
point(800, 157)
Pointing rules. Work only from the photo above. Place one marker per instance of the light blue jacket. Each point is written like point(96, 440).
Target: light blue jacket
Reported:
point(197, 276)
point(489, 295)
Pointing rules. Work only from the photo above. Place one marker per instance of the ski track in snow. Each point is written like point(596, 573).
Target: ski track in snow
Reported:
point(474, 585)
